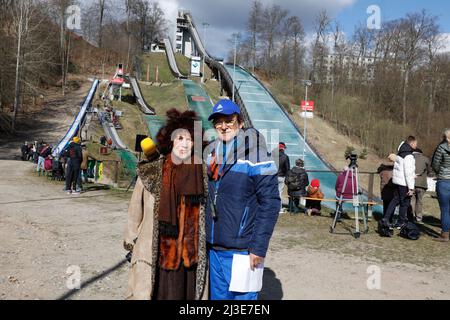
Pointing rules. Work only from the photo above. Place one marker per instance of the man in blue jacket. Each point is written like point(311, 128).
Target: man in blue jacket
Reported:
point(244, 201)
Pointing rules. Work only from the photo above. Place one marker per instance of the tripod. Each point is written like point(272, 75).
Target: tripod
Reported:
point(356, 198)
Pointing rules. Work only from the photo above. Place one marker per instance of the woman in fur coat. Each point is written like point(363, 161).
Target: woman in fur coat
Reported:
point(166, 218)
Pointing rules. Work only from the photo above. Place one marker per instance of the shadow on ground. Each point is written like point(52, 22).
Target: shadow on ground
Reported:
point(93, 280)
point(272, 288)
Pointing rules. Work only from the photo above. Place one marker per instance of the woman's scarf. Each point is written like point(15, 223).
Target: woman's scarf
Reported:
point(181, 195)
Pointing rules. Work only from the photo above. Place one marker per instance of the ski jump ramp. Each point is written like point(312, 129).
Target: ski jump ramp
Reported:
point(145, 108)
point(78, 122)
point(172, 61)
point(111, 133)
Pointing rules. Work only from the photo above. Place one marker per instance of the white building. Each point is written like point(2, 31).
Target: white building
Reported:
point(184, 43)
point(354, 68)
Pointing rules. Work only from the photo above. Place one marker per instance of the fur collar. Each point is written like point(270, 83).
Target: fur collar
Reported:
point(150, 173)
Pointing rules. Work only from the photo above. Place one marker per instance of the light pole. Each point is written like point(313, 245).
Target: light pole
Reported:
point(234, 64)
point(307, 84)
point(205, 25)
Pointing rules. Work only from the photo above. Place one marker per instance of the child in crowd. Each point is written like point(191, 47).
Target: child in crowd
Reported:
point(313, 207)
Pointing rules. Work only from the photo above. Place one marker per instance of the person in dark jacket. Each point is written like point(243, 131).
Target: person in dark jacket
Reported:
point(297, 180)
point(423, 170)
point(441, 166)
point(75, 157)
point(387, 187)
point(284, 165)
point(243, 202)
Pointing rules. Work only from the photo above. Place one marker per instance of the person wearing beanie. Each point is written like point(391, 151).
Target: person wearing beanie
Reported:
point(165, 233)
point(296, 181)
point(313, 207)
point(75, 158)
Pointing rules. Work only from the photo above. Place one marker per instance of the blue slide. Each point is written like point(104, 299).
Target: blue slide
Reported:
point(75, 127)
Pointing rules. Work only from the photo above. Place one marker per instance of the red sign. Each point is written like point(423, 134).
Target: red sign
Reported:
point(198, 99)
point(308, 106)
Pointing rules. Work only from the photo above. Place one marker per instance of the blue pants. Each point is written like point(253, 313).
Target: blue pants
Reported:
point(443, 193)
point(220, 265)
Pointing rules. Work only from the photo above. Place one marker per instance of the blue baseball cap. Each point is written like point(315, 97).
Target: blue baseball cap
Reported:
point(224, 107)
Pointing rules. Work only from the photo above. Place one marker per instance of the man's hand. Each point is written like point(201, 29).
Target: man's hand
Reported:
point(410, 193)
point(255, 261)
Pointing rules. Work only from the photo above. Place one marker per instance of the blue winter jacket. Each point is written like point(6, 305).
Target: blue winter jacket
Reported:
point(246, 196)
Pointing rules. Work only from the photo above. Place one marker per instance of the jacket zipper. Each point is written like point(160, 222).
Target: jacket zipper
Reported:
point(243, 222)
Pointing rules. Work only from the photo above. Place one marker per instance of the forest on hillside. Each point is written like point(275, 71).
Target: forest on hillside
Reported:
point(42, 41)
point(377, 85)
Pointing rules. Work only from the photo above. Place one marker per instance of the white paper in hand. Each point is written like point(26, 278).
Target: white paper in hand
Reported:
point(243, 279)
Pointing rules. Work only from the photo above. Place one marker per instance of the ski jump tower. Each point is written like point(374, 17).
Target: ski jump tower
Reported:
point(185, 43)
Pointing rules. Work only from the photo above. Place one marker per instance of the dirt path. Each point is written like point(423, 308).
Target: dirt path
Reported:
point(41, 239)
point(48, 124)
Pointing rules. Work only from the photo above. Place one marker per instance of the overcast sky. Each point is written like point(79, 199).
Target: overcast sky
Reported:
point(230, 16)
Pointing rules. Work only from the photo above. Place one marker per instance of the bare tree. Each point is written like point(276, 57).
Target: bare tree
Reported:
point(273, 17)
point(101, 10)
point(151, 23)
point(254, 25)
point(59, 8)
point(319, 50)
point(434, 42)
point(298, 35)
point(128, 13)
point(414, 29)
point(22, 12)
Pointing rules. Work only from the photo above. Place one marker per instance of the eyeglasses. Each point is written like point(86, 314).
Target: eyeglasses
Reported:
point(228, 123)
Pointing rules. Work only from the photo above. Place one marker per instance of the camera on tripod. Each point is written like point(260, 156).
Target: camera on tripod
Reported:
point(353, 157)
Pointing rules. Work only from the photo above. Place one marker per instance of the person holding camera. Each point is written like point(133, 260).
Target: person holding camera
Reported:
point(404, 176)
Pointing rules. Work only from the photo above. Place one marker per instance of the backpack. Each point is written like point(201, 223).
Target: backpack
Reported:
point(294, 181)
point(48, 164)
point(410, 231)
point(384, 229)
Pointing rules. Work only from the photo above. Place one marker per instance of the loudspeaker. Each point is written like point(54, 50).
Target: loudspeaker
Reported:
point(139, 139)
